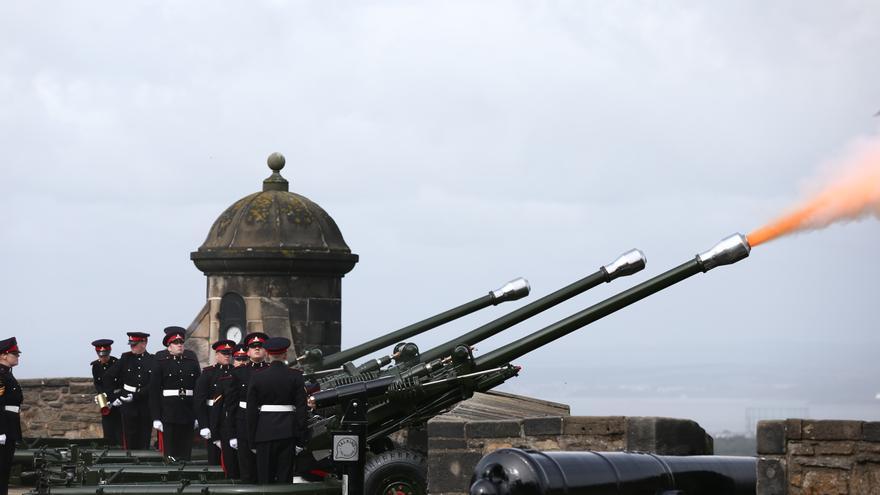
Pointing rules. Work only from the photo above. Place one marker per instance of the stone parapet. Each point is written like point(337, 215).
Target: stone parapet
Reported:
point(455, 446)
point(800, 456)
point(60, 408)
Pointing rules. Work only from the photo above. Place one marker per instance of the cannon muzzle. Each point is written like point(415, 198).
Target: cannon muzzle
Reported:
point(517, 288)
point(729, 250)
point(632, 261)
point(511, 291)
point(627, 263)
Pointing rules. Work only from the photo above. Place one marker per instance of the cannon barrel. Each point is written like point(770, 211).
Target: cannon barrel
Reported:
point(511, 291)
point(627, 263)
point(729, 250)
point(530, 472)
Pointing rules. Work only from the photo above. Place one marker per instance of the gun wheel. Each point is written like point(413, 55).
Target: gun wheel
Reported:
point(396, 472)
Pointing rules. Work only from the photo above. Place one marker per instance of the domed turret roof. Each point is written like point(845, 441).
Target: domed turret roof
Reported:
point(275, 230)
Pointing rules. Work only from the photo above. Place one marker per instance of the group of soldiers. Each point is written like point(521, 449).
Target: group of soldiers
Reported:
point(249, 407)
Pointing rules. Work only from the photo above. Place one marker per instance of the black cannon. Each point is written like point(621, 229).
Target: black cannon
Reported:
point(531, 472)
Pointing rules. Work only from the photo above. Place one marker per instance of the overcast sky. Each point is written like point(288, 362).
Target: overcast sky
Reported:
point(459, 145)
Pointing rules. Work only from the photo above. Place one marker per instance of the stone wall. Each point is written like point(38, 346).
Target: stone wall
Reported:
point(60, 408)
point(455, 447)
point(818, 457)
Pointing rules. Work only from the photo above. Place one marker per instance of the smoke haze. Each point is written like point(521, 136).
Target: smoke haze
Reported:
point(851, 192)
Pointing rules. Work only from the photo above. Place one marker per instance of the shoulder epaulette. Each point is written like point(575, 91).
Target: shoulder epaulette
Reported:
point(95, 362)
point(207, 368)
point(190, 354)
point(126, 354)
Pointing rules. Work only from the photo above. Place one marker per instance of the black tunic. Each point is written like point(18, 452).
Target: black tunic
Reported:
point(173, 388)
point(277, 385)
point(10, 404)
point(99, 369)
point(131, 374)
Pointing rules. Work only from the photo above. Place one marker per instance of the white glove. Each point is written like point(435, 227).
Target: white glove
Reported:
point(3, 439)
point(157, 425)
point(233, 442)
point(253, 451)
point(196, 425)
point(116, 403)
point(127, 398)
point(205, 433)
point(297, 449)
point(217, 443)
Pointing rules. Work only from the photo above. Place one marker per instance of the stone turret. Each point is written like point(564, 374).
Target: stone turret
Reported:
point(274, 262)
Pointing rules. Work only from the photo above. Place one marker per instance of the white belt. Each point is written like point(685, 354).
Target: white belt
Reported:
point(13, 409)
point(130, 388)
point(277, 408)
point(209, 402)
point(242, 405)
point(174, 392)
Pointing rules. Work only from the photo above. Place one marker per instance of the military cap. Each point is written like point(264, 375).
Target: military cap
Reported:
point(255, 338)
point(240, 352)
point(277, 345)
point(172, 333)
point(9, 346)
point(223, 346)
point(102, 346)
point(135, 337)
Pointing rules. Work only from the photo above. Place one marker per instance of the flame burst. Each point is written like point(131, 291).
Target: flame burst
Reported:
point(852, 194)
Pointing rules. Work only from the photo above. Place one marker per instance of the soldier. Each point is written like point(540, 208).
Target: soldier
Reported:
point(276, 415)
point(10, 406)
point(226, 386)
point(209, 398)
point(171, 395)
point(111, 419)
point(132, 373)
point(236, 405)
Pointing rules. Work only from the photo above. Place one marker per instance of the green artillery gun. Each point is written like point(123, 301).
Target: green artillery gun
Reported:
point(315, 364)
point(412, 395)
point(406, 355)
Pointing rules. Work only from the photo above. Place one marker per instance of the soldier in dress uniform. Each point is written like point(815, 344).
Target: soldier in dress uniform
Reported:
point(171, 395)
point(111, 419)
point(236, 405)
point(127, 385)
point(10, 408)
point(209, 405)
point(276, 414)
point(226, 386)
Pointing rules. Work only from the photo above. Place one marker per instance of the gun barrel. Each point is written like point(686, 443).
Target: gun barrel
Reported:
point(729, 250)
point(511, 291)
point(627, 263)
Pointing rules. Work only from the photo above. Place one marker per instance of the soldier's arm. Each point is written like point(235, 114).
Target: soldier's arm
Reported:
point(96, 378)
point(200, 397)
point(253, 412)
point(230, 406)
point(155, 393)
point(4, 427)
point(300, 433)
point(111, 377)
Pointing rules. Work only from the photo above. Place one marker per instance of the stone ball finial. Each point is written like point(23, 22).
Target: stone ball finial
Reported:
point(276, 161)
